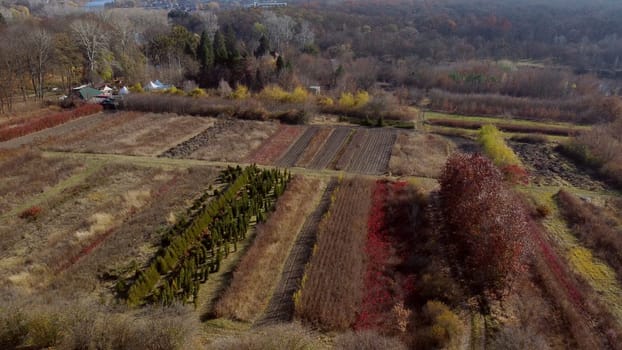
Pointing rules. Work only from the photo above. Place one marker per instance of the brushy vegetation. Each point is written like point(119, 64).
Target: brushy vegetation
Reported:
point(593, 228)
point(585, 109)
point(599, 148)
point(332, 287)
point(568, 288)
point(251, 287)
point(89, 327)
point(281, 337)
point(443, 327)
point(36, 124)
point(366, 340)
point(182, 105)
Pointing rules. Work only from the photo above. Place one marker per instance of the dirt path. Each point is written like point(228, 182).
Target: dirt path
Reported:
point(76, 124)
point(281, 305)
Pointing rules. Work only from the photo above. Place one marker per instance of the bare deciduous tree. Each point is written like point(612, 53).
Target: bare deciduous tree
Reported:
point(280, 29)
point(91, 37)
point(37, 46)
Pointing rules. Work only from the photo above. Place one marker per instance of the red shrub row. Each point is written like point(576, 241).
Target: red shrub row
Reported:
point(388, 247)
point(40, 123)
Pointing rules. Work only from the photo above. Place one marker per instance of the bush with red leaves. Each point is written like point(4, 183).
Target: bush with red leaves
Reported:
point(31, 213)
point(36, 124)
point(515, 174)
point(483, 224)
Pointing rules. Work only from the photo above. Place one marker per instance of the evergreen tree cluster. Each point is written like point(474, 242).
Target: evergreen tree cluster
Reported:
point(195, 247)
point(219, 57)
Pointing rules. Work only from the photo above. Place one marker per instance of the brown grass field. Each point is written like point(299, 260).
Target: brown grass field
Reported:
point(21, 176)
point(419, 154)
point(86, 215)
point(133, 133)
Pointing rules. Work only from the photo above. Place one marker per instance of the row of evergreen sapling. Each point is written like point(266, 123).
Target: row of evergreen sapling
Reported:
point(211, 233)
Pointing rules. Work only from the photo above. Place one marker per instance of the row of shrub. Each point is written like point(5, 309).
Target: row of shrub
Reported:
point(508, 127)
point(195, 248)
point(44, 122)
point(584, 109)
point(493, 143)
point(600, 149)
point(270, 93)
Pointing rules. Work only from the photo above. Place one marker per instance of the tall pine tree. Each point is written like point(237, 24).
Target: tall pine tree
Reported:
point(264, 46)
point(221, 55)
point(205, 52)
point(231, 44)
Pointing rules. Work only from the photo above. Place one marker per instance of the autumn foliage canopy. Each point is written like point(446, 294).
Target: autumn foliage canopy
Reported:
point(483, 223)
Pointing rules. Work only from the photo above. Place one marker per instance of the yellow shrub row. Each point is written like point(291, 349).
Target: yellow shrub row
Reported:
point(494, 146)
point(349, 100)
point(276, 93)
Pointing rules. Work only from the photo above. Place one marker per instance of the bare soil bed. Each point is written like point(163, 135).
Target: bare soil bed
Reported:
point(549, 167)
point(297, 149)
point(277, 145)
point(319, 140)
point(420, 154)
point(337, 140)
point(231, 140)
point(133, 133)
point(368, 152)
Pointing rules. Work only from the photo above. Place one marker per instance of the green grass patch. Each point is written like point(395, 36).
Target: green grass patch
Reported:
point(504, 120)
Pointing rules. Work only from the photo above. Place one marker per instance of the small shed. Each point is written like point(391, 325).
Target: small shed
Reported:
point(87, 93)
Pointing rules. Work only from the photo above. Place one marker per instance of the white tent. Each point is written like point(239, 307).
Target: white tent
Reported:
point(153, 86)
point(124, 91)
point(106, 90)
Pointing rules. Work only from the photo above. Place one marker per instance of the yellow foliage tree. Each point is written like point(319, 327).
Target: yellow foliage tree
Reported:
point(275, 93)
point(197, 92)
point(325, 101)
point(299, 95)
point(347, 100)
point(240, 92)
point(361, 98)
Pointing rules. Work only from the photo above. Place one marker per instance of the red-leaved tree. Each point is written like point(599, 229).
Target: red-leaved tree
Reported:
point(483, 224)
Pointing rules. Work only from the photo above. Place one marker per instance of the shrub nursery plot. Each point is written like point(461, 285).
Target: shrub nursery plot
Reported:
point(333, 286)
point(194, 248)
